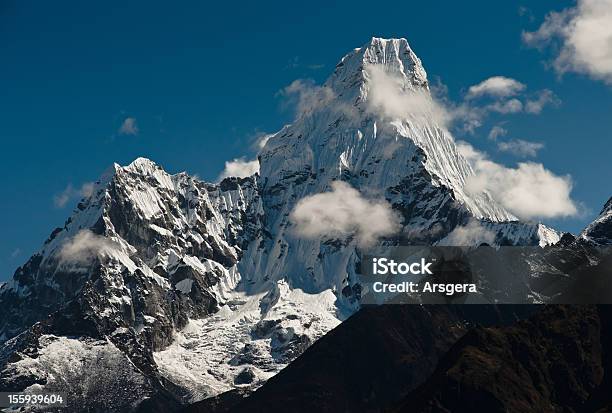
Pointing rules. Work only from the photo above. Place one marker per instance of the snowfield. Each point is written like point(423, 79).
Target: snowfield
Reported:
point(208, 354)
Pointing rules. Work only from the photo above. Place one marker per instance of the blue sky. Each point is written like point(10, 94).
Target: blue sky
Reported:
point(201, 81)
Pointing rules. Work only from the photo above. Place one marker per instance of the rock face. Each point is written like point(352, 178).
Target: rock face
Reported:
point(557, 361)
point(578, 269)
point(198, 288)
point(599, 231)
point(145, 241)
point(138, 259)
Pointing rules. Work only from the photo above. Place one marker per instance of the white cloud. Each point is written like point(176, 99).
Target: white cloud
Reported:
point(307, 96)
point(87, 189)
point(544, 97)
point(60, 200)
point(261, 139)
point(528, 191)
point(70, 193)
point(16, 252)
point(342, 212)
point(496, 132)
point(129, 127)
point(584, 36)
point(472, 234)
point(520, 147)
point(496, 86)
point(389, 96)
point(240, 168)
point(497, 94)
point(469, 116)
point(84, 247)
point(507, 106)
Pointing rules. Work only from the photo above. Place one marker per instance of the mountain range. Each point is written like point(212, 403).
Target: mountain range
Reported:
point(161, 290)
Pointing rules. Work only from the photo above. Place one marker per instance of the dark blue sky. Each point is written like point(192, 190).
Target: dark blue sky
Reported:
point(202, 80)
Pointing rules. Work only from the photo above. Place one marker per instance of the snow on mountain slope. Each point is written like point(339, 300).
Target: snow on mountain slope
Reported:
point(598, 232)
point(239, 347)
point(85, 370)
point(205, 287)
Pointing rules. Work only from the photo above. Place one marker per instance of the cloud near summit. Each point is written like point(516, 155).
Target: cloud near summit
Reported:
point(84, 247)
point(529, 191)
point(499, 86)
point(390, 97)
point(240, 168)
point(70, 193)
point(344, 212)
point(520, 147)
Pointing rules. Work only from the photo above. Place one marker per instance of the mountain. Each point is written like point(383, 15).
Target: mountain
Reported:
point(409, 158)
point(584, 262)
point(425, 358)
point(558, 360)
point(137, 260)
point(170, 290)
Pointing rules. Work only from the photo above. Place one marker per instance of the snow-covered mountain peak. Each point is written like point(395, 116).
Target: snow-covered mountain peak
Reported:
point(144, 168)
point(373, 123)
point(350, 81)
point(394, 55)
point(142, 165)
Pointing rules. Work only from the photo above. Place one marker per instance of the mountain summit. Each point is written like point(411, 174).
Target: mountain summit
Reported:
point(394, 55)
point(168, 289)
point(373, 124)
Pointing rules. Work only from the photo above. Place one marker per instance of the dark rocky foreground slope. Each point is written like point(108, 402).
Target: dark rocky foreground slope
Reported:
point(560, 360)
